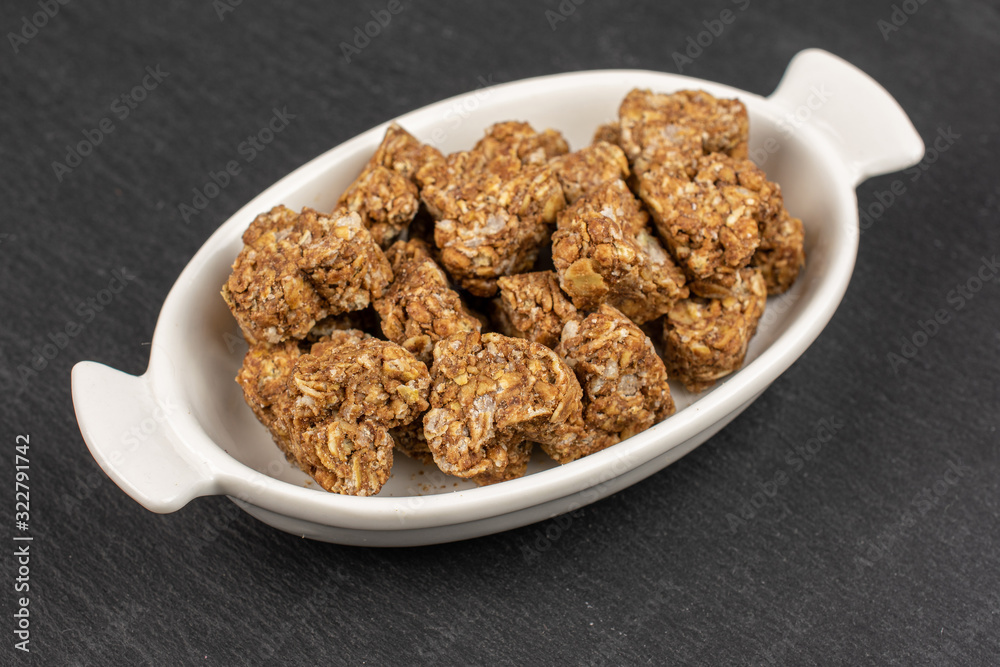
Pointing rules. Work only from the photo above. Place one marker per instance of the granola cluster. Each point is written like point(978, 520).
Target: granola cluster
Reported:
point(492, 394)
point(385, 195)
point(532, 306)
point(587, 169)
point(345, 396)
point(363, 325)
point(605, 252)
point(624, 381)
point(420, 308)
point(706, 339)
point(658, 129)
point(493, 205)
point(298, 268)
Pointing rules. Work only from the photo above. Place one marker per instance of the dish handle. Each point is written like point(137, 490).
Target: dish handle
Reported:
point(864, 124)
point(128, 432)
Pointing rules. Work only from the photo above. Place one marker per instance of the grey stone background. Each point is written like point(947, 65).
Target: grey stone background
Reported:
point(870, 553)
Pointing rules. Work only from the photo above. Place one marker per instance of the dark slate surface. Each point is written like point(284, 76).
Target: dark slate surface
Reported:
point(867, 555)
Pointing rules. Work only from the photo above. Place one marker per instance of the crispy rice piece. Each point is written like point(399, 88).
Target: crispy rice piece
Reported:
point(711, 223)
point(583, 171)
point(532, 306)
point(659, 129)
point(296, 269)
point(345, 397)
point(385, 195)
point(624, 381)
point(419, 308)
point(491, 393)
point(706, 339)
point(603, 252)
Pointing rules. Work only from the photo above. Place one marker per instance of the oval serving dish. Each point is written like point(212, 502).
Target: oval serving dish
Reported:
point(825, 129)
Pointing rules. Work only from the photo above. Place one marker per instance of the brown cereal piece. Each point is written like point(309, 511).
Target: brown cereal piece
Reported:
point(267, 293)
point(344, 399)
point(585, 170)
point(385, 200)
point(624, 381)
point(264, 380)
point(781, 253)
point(532, 306)
point(676, 149)
point(659, 128)
point(518, 456)
point(279, 221)
point(402, 252)
point(489, 394)
point(299, 268)
point(342, 261)
point(609, 132)
point(419, 308)
point(706, 339)
point(521, 141)
point(492, 218)
point(603, 252)
point(385, 194)
point(710, 223)
point(403, 153)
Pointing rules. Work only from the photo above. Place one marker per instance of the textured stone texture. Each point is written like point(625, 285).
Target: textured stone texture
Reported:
point(652, 575)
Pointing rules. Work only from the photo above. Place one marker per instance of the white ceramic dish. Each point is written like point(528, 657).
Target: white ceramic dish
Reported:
point(181, 430)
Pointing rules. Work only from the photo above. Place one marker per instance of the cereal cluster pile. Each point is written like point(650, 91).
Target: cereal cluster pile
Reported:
point(463, 308)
